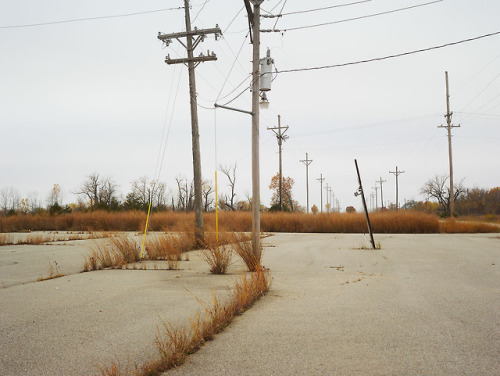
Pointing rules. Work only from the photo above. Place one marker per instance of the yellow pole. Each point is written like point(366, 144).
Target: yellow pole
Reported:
point(145, 230)
point(216, 213)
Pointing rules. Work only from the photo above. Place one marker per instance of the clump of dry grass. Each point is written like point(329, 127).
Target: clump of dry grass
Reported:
point(243, 247)
point(53, 272)
point(126, 247)
point(114, 253)
point(169, 247)
point(175, 344)
point(218, 256)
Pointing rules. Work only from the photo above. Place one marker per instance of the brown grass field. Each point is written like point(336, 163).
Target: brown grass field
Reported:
point(409, 222)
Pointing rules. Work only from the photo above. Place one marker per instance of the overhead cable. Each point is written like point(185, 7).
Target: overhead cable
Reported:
point(89, 18)
point(389, 56)
point(315, 10)
point(351, 19)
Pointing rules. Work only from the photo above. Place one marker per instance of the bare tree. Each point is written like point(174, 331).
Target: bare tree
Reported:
point(34, 203)
point(439, 189)
point(101, 191)
point(207, 190)
point(144, 191)
point(10, 200)
point(55, 196)
point(108, 191)
point(230, 172)
point(185, 194)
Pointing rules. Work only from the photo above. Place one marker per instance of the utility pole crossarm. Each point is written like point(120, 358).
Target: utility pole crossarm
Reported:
point(195, 59)
point(167, 38)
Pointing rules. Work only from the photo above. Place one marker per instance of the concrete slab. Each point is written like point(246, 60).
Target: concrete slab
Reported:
point(423, 305)
point(66, 326)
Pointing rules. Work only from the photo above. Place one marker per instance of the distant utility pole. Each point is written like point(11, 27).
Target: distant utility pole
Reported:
point(381, 192)
point(330, 191)
point(280, 131)
point(397, 173)
point(327, 207)
point(321, 179)
point(193, 38)
point(449, 126)
point(376, 196)
point(307, 162)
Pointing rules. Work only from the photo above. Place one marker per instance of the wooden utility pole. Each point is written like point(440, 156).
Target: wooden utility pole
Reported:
point(327, 206)
point(280, 136)
point(321, 179)
point(361, 193)
point(397, 173)
point(381, 193)
point(449, 126)
point(193, 38)
point(254, 22)
point(332, 195)
point(307, 162)
point(376, 196)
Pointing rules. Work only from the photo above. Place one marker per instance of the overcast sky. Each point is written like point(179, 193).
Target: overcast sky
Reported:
point(96, 96)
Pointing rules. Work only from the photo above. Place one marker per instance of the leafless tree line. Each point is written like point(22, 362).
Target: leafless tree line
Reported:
point(102, 192)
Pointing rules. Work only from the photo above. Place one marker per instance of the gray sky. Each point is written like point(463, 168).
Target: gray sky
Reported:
point(96, 95)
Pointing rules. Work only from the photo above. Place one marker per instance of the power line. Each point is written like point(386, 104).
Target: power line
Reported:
point(481, 92)
point(388, 56)
point(230, 23)
point(90, 18)
point(202, 7)
point(280, 12)
point(316, 9)
point(232, 66)
point(352, 19)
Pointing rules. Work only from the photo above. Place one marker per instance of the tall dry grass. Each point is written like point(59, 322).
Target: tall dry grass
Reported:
point(387, 222)
point(452, 226)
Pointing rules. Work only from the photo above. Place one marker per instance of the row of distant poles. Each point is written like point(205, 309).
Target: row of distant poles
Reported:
point(396, 173)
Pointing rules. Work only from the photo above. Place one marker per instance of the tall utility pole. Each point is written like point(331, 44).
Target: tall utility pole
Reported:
point(376, 196)
point(193, 38)
point(381, 193)
point(307, 162)
point(280, 136)
point(254, 21)
point(321, 179)
point(449, 126)
point(397, 173)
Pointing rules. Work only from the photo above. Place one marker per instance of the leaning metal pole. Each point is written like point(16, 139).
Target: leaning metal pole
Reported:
point(360, 192)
